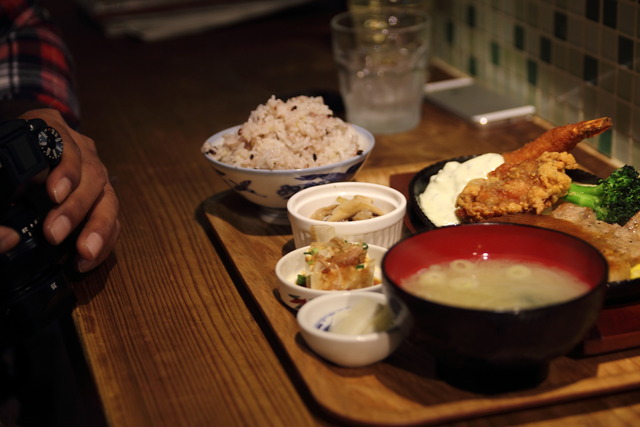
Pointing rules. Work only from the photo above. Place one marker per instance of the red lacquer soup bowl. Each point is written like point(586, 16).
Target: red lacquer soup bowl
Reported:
point(506, 348)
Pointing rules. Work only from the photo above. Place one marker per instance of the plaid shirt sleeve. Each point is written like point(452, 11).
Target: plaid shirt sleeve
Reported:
point(35, 64)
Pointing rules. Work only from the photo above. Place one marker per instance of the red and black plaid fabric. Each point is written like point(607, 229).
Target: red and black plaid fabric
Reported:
point(35, 64)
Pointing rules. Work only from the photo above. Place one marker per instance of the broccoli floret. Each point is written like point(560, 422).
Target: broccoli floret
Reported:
point(614, 199)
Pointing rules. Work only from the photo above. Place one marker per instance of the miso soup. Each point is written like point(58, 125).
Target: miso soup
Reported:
point(494, 284)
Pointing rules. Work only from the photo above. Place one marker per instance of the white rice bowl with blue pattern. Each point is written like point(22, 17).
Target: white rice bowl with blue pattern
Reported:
point(285, 147)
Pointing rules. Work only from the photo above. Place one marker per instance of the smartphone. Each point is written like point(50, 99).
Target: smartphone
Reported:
point(477, 104)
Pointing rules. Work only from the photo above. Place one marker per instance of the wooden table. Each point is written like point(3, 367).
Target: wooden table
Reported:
point(170, 330)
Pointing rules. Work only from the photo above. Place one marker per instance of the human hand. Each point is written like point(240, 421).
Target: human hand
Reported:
point(80, 188)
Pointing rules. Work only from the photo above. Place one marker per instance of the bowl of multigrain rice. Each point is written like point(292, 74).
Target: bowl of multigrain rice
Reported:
point(285, 147)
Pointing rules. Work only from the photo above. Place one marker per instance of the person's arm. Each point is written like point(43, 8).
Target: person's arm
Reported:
point(39, 85)
point(35, 63)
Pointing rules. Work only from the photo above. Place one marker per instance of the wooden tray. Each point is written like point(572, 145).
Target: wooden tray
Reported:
point(403, 389)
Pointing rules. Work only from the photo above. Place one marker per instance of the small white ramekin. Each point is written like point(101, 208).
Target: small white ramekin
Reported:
point(293, 263)
point(351, 350)
point(384, 230)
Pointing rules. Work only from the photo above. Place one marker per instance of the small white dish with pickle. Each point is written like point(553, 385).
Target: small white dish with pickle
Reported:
point(296, 278)
point(354, 329)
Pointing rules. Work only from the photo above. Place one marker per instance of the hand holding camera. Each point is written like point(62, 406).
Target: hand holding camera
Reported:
point(54, 205)
point(80, 189)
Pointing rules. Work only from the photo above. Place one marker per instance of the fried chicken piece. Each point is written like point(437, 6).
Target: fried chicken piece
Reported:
point(530, 186)
point(558, 139)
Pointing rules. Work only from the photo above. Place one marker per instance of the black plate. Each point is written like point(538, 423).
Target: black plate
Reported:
point(417, 186)
point(618, 293)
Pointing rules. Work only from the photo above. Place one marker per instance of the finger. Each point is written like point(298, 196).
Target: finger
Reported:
point(83, 265)
point(9, 238)
point(100, 232)
point(65, 217)
point(66, 176)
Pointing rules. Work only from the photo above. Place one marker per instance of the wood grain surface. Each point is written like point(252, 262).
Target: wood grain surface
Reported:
point(171, 326)
point(404, 388)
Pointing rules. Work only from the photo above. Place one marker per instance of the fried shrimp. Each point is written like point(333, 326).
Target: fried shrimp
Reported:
point(558, 139)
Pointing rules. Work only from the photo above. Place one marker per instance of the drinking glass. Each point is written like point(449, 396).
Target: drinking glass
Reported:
point(381, 55)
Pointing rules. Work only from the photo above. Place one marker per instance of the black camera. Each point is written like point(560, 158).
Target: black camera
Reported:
point(33, 286)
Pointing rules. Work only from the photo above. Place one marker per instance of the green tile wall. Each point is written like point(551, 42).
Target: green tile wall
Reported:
point(573, 59)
